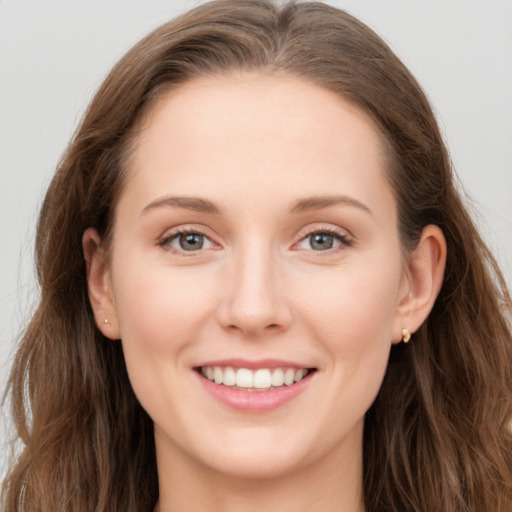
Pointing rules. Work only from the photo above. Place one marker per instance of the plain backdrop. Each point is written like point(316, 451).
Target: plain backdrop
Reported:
point(54, 54)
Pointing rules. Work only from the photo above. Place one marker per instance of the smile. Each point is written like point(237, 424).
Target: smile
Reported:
point(262, 379)
point(257, 389)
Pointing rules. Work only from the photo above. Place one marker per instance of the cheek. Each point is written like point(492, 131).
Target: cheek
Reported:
point(160, 311)
point(352, 304)
point(350, 314)
point(159, 308)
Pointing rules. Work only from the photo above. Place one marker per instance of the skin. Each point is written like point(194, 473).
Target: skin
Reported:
point(254, 145)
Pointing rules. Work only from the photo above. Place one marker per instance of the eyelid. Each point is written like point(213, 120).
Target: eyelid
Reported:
point(169, 235)
point(344, 236)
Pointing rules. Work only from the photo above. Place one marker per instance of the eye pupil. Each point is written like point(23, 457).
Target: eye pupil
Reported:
point(191, 241)
point(321, 241)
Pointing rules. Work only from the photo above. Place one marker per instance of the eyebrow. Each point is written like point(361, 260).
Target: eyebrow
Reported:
point(195, 204)
point(318, 202)
point(306, 204)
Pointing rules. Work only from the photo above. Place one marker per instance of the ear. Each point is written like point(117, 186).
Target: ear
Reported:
point(423, 278)
point(100, 285)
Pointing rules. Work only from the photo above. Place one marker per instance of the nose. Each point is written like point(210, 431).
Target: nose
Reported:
point(254, 298)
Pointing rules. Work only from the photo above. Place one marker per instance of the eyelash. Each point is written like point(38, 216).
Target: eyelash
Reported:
point(165, 242)
point(344, 240)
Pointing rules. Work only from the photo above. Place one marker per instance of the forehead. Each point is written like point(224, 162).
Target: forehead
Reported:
point(253, 132)
point(264, 102)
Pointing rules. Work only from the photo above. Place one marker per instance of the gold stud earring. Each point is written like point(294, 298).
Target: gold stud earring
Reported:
point(406, 335)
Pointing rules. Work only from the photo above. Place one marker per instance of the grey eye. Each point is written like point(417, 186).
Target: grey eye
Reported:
point(190, 242)
point(321, 241)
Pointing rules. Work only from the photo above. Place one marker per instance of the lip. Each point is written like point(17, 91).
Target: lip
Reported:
point(254, 401)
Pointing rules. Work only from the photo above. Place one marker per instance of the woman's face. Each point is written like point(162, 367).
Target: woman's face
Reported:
point(255, 244)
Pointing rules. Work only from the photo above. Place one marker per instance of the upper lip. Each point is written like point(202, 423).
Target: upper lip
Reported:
point(254, 364)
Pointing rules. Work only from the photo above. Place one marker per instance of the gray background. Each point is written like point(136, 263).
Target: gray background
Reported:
point(54, 54)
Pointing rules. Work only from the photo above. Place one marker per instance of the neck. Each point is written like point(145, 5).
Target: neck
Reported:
point(333, 483)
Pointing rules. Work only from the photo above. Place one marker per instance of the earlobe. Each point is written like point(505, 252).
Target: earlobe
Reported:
point(425, 272)
point(100, 285)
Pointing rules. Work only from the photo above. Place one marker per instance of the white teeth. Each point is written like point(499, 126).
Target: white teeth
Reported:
point(277, 378)
point(261, 379)
point(217, 375)
point(229, 376)
point(289, 376)
point(299, 375)
point(244, 378)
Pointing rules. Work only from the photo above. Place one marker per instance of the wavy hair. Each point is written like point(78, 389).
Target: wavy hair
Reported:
point(436, 439)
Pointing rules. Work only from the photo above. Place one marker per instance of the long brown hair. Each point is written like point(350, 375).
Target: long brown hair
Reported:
point(437, 438)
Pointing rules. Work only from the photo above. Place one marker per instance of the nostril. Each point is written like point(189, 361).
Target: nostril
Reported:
point(249, 329)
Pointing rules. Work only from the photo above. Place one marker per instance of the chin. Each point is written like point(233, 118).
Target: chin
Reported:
point(259, 453)
point(256, 468)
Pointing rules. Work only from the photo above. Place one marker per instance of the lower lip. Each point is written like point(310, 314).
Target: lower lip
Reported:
point(255, 401)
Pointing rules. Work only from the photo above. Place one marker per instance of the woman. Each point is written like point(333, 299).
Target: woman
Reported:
point(261, 288)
